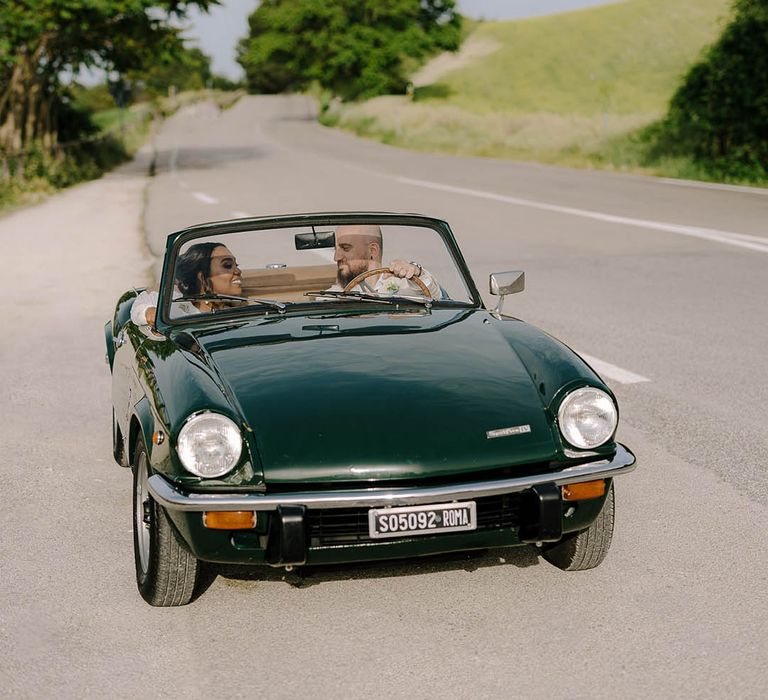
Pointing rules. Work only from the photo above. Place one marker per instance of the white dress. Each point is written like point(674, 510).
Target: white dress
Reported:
point(147, 300)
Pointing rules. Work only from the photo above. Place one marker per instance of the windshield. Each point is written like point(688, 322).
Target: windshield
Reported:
point(274, 269)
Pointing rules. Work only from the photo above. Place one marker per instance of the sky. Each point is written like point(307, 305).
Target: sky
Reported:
point(218, 32)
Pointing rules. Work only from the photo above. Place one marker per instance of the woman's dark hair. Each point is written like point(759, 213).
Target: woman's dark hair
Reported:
point(197, 258)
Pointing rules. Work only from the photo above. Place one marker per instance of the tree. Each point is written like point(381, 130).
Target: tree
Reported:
point(42, 39)
point(355, 48)
point(190, 69)
point(719, 114)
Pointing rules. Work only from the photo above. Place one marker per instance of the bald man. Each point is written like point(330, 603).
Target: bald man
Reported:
point(359, 248)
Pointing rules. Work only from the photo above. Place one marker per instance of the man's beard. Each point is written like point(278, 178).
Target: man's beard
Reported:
point(350, 271)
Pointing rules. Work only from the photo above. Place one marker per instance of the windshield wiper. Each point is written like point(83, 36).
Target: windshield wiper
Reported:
point(230, 297)
point(422, 301)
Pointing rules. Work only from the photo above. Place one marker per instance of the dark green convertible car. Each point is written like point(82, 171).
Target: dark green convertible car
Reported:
point(330, 388)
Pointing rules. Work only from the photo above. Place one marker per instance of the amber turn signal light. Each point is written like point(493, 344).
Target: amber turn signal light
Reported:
point(584, 490)
point(229, 519)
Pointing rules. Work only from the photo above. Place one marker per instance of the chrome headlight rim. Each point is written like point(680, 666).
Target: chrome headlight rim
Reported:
point(194, 421)
point(568, 422)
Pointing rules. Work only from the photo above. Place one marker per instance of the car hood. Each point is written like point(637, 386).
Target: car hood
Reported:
point(382, 397)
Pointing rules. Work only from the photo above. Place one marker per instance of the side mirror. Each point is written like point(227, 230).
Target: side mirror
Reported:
point(503, 283)
point(314, 240)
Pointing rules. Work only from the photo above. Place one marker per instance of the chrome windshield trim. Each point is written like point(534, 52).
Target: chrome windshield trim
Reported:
point(171, 497)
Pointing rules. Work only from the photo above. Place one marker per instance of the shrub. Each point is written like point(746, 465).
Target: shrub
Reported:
point(719, 115)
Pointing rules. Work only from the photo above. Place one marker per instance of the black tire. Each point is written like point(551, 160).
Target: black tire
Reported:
point(585, 549)
point(166, 573)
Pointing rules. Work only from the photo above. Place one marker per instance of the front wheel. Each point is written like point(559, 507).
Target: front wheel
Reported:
point(585, 549)
point(166, 573)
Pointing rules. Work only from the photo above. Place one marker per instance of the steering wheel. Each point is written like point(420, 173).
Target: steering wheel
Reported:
point(380, 270)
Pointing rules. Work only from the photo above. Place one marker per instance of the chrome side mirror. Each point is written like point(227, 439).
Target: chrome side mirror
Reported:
point(503, 283)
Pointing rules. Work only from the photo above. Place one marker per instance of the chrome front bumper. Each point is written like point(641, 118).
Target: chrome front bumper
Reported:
point(173, 498)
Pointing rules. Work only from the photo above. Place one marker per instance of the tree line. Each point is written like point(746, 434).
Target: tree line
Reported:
point(354, 49)
point(719, 114)
point(43, 43)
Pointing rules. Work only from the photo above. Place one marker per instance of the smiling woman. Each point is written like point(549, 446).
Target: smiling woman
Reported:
point(204, 270)
point(208, 268)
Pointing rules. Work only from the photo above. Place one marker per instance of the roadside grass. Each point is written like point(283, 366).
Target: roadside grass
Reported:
point(110, 120)
point(624, 58)
point(580, 89)
point(130, 126)
point(121, 132)
point(573, 140)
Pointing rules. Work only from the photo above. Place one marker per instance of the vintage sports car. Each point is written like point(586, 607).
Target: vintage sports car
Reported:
point(330, 388)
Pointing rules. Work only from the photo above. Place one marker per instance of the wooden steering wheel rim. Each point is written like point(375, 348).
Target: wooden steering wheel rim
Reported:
point(381, 270)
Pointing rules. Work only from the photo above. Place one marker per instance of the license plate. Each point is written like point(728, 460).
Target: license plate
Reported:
point(422, 520)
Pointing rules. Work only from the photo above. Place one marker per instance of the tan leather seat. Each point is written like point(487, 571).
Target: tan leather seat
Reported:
point(288, 283)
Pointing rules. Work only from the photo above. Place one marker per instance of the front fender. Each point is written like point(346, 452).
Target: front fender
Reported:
point(142, 423)
point(177, 383)
point(112, 327)
point(109, 339)
point(555, 370)
point(553, 367)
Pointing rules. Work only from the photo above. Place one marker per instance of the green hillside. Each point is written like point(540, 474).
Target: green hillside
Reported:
point(573, 89)
point(626, 58)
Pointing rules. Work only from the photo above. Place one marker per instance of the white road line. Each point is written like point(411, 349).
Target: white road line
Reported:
point(747, 237)
point(727, 237)
point(714, 186)
point(174, 169)
point(606, 369)
point(205, 198)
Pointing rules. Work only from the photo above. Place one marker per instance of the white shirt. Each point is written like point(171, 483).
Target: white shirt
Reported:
point(395, 286)
point(148, 300)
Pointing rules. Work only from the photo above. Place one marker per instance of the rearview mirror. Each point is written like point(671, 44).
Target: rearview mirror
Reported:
point(315, 240)
point(503, 283)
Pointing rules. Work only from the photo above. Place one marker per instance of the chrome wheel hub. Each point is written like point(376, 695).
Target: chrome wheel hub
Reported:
point(142, 513)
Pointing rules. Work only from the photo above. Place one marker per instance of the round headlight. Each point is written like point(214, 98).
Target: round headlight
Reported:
point(209, 445)
point(587, 417)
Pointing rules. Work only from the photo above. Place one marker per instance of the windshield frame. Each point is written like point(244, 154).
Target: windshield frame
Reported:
point(176, 240)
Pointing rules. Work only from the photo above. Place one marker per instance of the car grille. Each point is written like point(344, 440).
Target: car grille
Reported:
point(350, 525)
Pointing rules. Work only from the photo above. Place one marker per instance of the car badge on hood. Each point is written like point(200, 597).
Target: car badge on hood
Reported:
point(504, 432)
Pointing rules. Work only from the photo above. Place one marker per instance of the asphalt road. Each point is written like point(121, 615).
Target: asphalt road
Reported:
point(663, 285)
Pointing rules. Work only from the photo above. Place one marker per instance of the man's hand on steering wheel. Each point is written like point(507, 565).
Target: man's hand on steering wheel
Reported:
point(408, 270)
point(384, 271)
